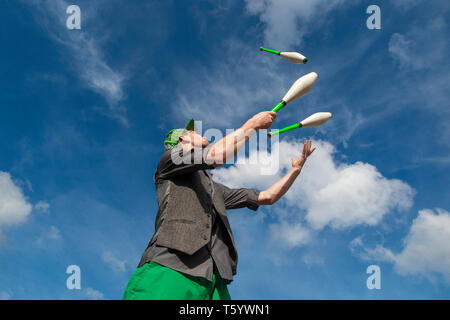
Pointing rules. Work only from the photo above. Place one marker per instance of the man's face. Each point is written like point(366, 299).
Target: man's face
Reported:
point(195, 139)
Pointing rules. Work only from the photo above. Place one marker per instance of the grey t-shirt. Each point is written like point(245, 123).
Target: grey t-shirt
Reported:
point(216, 254)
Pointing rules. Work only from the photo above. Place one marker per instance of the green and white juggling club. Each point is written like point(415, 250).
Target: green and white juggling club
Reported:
point(315, 120)
point(297, 90)
point(293, 57)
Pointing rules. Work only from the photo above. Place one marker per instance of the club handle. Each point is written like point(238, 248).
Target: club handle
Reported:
point(279, 106)
point(269, 50)
point(289, 128)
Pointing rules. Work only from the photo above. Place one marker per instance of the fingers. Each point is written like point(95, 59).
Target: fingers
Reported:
point(264, 119)
point(272, 115)
point(307, 148)
point(306, 145)
point(270, 118)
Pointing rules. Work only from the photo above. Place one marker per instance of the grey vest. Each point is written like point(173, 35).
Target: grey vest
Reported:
point(184, 221)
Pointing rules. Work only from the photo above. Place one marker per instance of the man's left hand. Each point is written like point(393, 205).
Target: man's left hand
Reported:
point(298, 163)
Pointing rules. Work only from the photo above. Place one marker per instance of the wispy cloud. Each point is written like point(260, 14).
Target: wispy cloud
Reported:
point(288, 21)
point(402, 51)
point(244, 81)
point(50, 234)
point(93, 294)
point(234, 87)
point(113, 262)
point(421, 60)
point(84, 54)
point(379, 253)
point(42, 206)
point(409, 51)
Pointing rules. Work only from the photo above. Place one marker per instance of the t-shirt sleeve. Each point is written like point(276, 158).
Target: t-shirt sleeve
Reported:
point(240, 198)
point(177, 162)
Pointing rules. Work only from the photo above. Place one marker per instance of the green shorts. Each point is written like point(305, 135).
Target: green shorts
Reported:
point(153, 281)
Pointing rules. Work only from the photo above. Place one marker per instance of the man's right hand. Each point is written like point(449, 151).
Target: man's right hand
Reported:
point(227, 147)
point(262, 120)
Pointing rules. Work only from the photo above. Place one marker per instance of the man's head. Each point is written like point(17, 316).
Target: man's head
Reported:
point(187, 136)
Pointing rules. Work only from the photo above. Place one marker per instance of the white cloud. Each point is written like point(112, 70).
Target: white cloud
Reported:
point(85, 54)
point(94, 294)
point(42, 206)
point(332, 194)
point(113, 262)
point(427, 245)
point(287, 21)
point(356, 194)
point(291, 235)
point(426, 248)
point(14, 207)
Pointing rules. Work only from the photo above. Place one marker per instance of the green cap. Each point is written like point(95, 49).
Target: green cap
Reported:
point(174, 135)
point(190, 125)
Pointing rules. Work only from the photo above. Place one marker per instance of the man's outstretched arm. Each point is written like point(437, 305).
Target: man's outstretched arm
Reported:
point(276, 191)
point(226, 148)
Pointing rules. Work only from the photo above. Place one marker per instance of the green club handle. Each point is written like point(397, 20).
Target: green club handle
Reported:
point(289, 128)
point(279, 106)
point(269, 50)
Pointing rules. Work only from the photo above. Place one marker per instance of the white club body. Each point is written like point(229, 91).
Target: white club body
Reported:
point(317, 119)
point(294, 57)
point(300, 87)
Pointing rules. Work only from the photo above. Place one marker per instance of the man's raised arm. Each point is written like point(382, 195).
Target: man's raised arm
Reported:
point(226, 148)
point(276, 191)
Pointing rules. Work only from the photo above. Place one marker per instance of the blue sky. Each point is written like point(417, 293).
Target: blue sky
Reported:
point(84, 113)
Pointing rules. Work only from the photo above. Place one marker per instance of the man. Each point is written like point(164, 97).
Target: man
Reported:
point(192, 254)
